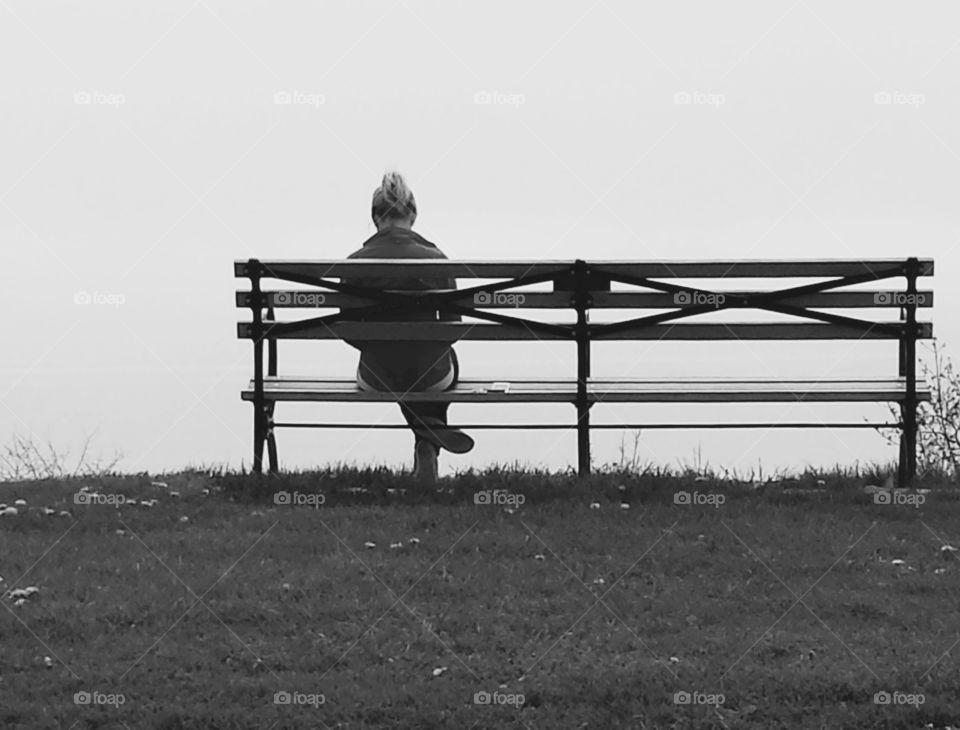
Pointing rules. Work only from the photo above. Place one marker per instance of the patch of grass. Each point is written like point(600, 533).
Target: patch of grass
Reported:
point(786, 598)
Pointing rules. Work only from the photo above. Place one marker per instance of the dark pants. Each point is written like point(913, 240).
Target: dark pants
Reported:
point(416, 412)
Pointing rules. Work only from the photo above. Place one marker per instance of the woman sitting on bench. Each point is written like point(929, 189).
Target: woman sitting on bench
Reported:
point(404, 367)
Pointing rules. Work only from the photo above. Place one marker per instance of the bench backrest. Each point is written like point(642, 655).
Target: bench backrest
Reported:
point(494, 305)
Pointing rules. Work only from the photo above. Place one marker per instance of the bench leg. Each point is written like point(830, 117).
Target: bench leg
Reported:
point(902, 462)
point(271, 440)
point(583, 441)
point(259, 436)
point(907, 470)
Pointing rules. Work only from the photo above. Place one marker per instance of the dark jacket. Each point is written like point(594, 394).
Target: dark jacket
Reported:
point(402, 366)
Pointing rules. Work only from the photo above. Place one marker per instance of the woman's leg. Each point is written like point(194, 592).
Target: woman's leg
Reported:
point(419, 415)
point(430, 429)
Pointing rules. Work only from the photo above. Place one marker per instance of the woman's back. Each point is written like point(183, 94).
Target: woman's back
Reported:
point(401, 366)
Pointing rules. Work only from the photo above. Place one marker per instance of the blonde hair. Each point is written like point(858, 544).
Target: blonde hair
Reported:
point(393, 200)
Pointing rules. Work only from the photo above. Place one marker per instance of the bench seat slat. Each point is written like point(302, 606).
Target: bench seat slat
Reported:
point(648, 390)
point(455, 331)
point(307, 299)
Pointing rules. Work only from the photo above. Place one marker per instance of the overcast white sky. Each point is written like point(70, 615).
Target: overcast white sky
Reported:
point(143, 151)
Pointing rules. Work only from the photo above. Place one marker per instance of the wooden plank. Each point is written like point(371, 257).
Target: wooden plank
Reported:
point(320, 299)
point(634, 390)
point(455, 331)
point(473, 268)
point(345, 389)
point(766, 390)
point(291, 381)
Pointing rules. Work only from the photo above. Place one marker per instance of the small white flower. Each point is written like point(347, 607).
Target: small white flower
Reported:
point(162, 485)
point(22, 594)
point(369, 545)
point(396, 545)
point(20, 503)
point(174, 494)
point(438, 671)
point(9, 512)
point(184, 518)
point(624, 505)
point(63, 513)
point(414, 541)
point(539, 556)
point(594, 505)
point(47, 511)
point(897, 561)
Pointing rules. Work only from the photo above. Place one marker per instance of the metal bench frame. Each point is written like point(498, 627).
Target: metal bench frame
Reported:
point(583, 281)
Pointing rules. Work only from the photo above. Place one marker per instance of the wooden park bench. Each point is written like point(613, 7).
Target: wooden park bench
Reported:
point(498, 309)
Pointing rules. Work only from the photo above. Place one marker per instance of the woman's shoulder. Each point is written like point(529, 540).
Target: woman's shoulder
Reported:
point(396, 244)
point(420, 247)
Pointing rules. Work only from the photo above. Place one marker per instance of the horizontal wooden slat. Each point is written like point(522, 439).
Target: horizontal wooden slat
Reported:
point(472, 268)
point(315, 299)
point(624, 390)
point(455, 331)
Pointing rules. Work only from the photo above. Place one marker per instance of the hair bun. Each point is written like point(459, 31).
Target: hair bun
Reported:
point(393, 199)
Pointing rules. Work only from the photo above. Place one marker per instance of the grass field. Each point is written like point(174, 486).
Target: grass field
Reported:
point(551, 606)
